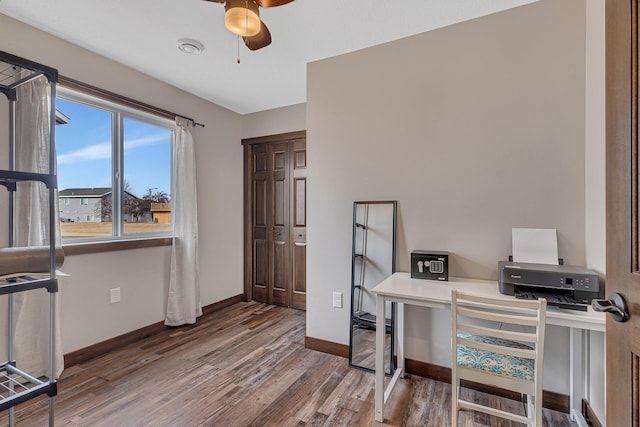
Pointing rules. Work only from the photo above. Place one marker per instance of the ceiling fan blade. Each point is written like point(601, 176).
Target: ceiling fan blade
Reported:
point(260, 40)
point(217, 1)
point(272, 3)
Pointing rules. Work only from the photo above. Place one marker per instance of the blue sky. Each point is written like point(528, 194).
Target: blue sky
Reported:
point(84, 151)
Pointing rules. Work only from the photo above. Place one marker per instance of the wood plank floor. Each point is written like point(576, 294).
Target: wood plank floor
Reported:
point(245, 365)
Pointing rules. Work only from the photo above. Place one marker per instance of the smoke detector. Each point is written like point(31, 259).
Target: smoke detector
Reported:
point(189, 46)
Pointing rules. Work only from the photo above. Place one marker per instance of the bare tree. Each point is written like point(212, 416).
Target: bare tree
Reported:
point(132, 205)
point(154, 195)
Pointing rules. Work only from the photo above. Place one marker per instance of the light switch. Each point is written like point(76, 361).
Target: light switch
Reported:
point(115, 295)
point(337, 299)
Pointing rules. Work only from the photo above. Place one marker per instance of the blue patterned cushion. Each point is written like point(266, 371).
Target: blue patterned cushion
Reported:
point(516, 367)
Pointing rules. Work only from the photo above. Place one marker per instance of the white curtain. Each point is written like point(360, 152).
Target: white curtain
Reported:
point(31, 228)
point(183, 305)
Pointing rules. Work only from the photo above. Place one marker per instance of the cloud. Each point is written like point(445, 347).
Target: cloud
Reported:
point(144, 141)
point(92, 152)
point(102, 150)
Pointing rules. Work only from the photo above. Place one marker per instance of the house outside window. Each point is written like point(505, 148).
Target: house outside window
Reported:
point(114, 164)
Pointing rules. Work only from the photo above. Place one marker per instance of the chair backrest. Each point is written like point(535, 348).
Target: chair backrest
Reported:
point(510, 327)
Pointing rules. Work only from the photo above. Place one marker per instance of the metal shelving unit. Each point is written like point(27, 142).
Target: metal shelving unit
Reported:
point(17, 386)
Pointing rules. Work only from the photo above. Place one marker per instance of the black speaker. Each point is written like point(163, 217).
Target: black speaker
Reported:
point(432, 265)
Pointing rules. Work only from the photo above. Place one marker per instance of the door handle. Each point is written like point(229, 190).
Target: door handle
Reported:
point(615, 305)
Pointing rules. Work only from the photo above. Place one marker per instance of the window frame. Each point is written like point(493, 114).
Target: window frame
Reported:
point(119, 112)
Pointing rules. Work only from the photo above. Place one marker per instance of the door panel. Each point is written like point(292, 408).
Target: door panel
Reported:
point(260, 247)
point(299, 224)
point(260, 203)
point(622, 349)
point(280, 289)
point(280, 204)
point(279, 220)
point(300, 202)
point(299, 157)
point(280, 158)
point(299, 296)
point(260, 159)
point(260, 270)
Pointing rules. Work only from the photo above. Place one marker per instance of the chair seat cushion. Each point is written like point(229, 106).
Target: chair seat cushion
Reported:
point(499, 364)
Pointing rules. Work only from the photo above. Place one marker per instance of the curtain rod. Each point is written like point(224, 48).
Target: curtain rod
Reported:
point(114, 97)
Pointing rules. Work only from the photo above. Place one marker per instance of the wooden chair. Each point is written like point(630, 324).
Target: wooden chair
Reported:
point(489, 347)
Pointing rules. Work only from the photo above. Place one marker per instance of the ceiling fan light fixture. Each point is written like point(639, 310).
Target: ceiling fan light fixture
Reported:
point(242, 17)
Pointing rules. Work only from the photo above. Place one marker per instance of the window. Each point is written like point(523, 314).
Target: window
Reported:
point(114, 169)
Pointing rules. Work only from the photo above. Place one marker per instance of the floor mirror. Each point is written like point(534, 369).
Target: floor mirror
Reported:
point(373, 260)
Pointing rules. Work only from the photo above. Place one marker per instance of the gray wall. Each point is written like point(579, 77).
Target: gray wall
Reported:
point(475, 128)
point(73, 209)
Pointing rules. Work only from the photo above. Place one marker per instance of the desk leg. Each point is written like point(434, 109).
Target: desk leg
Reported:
point(577, 368)
point(379, 374)
point(400, 339)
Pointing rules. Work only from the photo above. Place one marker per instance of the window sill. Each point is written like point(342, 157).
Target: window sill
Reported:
point(71, 249)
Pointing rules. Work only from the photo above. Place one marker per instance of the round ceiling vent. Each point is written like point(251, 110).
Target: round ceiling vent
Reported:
point(192, 47)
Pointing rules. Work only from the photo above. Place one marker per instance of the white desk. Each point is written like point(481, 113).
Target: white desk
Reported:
point(402, 289)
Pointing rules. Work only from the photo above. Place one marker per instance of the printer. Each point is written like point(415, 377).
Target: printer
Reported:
point(562, 286)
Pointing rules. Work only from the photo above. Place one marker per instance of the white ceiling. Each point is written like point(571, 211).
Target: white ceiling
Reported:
point(143, 34)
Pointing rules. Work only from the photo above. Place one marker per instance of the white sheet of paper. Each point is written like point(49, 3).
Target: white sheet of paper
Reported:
point(536, 245)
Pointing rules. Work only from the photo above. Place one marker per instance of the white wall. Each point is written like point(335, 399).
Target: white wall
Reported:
point(142, 274)
point(475, 128)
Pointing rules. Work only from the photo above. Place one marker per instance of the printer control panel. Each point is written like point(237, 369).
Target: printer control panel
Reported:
point(579, 283)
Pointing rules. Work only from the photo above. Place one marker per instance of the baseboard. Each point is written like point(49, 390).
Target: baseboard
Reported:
point(217, 306)
point(590, 416)
point(104, 347)
point(327, 347)
point(550, 400)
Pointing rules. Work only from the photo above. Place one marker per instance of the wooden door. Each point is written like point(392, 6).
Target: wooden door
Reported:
point(623, 275)
point(275, 219)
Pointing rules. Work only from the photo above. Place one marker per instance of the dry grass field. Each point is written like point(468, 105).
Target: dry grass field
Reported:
point(92, 229)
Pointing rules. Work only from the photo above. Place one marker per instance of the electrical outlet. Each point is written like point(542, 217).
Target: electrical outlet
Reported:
point(337, 299)
point(115, 295)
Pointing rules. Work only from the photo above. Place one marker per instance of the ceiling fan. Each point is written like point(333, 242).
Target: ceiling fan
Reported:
point(242, 17)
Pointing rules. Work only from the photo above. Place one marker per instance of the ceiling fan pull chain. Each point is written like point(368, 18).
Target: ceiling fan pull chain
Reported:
point(246, 26)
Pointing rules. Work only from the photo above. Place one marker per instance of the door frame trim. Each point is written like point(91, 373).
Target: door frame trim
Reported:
point(247, 269)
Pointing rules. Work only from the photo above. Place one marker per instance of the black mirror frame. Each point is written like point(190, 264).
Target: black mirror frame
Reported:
point(391, 365)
